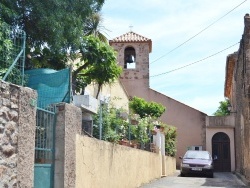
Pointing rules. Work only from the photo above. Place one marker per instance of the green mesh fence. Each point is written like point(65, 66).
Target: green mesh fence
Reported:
point(12, 54)
point(52, 86)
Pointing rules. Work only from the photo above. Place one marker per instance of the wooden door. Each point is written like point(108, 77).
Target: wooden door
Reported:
point(221, 152)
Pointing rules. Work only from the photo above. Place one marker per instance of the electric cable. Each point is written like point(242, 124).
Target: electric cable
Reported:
point(196, 61)
point(198, 32)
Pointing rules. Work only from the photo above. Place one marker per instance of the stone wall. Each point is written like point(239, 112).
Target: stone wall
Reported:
point(136, 80)
point(240, 100)
point(17, 135)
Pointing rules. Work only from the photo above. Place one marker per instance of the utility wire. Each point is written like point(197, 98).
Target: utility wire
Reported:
point(195, 61)
point(198, 32)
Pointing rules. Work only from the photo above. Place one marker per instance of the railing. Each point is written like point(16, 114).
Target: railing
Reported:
point(12, 54)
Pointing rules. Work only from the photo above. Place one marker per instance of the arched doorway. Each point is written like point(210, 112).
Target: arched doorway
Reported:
point(221, 152)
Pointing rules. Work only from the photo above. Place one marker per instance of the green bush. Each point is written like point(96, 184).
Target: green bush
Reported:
point(170, 140)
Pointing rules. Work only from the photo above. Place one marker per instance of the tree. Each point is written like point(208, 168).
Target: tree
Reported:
point(223, 108)
point(93, 26)
point(58, 24)
point(144, 108)
point(55, 34)
point(53, 28)
point(6, 48)
point(98, 64)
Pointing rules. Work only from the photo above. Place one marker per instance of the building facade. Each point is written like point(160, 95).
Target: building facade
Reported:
point(237, 90)
point(133, 55)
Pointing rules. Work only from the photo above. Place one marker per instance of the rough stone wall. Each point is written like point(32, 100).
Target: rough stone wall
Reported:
point(242, 103)
point(135, 80)
point(17, 135)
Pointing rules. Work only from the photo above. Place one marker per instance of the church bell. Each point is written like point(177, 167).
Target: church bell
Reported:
point(130, 59)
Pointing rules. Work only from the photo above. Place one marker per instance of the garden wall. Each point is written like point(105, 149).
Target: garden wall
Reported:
point(102, 164)
point(17, 135)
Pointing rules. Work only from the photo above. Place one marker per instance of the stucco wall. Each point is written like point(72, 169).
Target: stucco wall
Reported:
point(102, 164)
point(68, 124)
point(115, 91)
point(17, 135)
point(211, 131)
point(169, 165)
point(190, 123)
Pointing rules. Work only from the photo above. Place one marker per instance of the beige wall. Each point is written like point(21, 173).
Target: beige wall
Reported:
point(116, 92)
point(169, 165)
point(101, 164)
point(190, 123)
point(211, 131)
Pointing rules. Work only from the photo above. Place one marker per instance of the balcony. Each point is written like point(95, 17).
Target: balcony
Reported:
point(220, 121)
point(86, 103)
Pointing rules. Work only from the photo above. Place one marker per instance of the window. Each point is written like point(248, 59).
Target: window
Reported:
point(197, 148)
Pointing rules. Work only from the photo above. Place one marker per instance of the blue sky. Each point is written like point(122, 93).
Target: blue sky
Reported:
point(169, 23)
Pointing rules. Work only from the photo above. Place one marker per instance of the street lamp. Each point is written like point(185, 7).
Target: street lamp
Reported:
point(229, 108)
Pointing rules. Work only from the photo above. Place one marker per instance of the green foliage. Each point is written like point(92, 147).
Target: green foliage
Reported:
point(170, 140)
point(58, 24)
point(140, 132)
point(99, 63)
point(10, 42)
point(223, 109)
point(54, 39)
point(114, 128)
point(144, 108)
point(6, 48)
point(93, 26)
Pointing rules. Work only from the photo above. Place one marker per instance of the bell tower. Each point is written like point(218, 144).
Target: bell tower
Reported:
point(133, 56)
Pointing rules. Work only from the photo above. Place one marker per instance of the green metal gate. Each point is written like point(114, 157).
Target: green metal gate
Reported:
point(44, 148)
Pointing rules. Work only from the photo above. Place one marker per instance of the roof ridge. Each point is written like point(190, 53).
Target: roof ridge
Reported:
point(131, 37)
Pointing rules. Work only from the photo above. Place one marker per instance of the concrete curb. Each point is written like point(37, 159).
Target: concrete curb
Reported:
point(243, 179)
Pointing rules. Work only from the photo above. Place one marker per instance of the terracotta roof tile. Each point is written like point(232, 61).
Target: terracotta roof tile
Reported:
point(131, 37)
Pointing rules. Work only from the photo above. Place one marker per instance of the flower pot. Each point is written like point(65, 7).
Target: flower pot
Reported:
point(134, 122)
point(153, 132)
point(124, 142)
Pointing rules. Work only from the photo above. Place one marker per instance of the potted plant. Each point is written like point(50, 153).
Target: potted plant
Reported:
point(134, 119)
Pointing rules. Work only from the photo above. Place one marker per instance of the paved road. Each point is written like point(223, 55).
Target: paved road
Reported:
point(222, 179)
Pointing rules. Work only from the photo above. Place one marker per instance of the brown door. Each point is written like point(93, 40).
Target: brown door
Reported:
point(221, 152)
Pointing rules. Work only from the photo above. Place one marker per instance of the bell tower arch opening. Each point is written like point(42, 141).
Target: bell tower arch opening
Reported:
point(129, 58)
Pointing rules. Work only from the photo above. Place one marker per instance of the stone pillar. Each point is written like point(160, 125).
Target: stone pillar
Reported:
point(68, 124)
point(17, 135)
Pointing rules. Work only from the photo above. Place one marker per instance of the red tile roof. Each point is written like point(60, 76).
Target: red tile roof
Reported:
point(132, 37)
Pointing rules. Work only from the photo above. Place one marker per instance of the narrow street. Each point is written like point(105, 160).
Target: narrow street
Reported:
point(221, 179)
